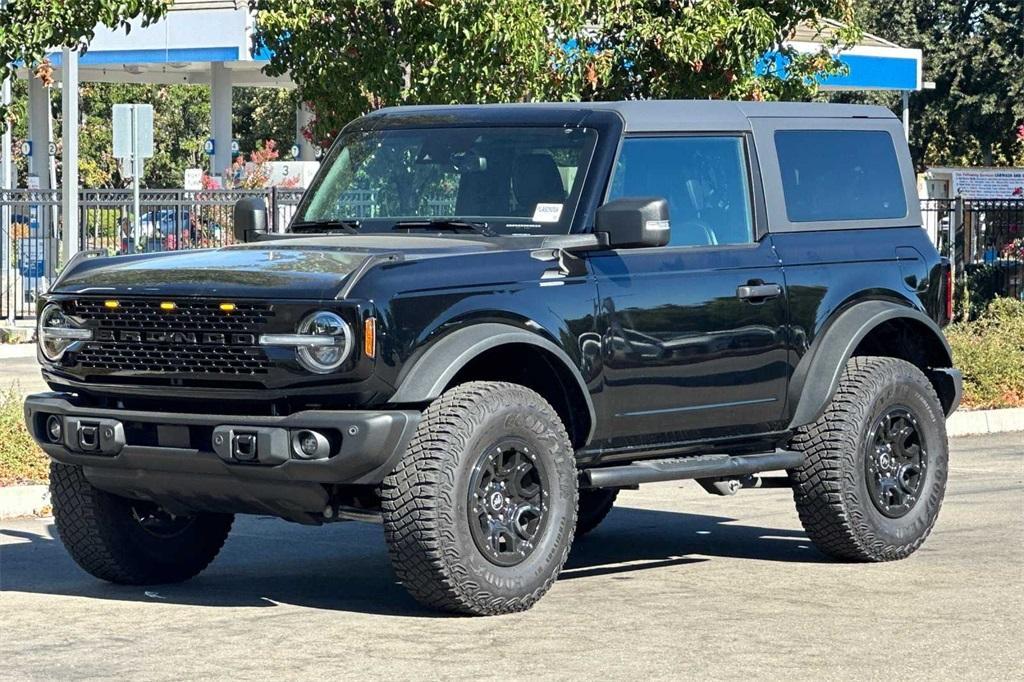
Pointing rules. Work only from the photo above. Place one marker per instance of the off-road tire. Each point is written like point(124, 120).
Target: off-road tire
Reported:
point(831, 488)
point(425, 501)
point(595, 503)
point(101, 533)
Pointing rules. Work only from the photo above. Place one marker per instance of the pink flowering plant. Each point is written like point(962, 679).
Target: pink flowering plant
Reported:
point(1015, 249)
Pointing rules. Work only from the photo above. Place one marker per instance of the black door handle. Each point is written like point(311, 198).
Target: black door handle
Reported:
point(758, 292)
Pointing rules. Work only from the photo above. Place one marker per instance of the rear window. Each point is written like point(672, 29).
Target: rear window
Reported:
point(840, 175)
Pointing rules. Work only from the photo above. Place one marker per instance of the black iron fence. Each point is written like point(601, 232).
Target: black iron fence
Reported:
point(983, 238)
point(169, 220)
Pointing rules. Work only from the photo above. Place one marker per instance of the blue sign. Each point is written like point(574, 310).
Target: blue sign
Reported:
point(26, 148)
point(234, 146)
point(31, 249)
point(209, 146)
point(895, 69)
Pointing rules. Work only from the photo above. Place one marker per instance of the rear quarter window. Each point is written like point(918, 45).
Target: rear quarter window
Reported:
point(837, 175)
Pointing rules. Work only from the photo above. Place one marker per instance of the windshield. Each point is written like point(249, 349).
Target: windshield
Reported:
point(523, 180)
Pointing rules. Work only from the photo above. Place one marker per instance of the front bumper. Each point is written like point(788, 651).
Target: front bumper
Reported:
point(189, 462)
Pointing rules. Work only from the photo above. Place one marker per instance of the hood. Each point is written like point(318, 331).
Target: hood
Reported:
point(309, 267)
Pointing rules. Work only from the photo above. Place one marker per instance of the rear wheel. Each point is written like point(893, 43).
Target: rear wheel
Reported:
point(875, 471)
point(480, 511)
point(130, 541)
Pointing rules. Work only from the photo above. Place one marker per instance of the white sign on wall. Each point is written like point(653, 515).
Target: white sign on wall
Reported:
point(193, 179)
point(1008, 184)
point(299, 172)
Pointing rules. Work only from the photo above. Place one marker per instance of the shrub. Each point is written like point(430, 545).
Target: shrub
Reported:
point(21, 460)
point(990, 352)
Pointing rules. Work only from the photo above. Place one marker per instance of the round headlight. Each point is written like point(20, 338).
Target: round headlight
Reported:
point(332, 342)
point(56, 332)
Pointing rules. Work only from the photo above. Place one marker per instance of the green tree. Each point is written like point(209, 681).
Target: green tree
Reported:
point(29, 28)
point(262, 114)
point(350, 56)
point(974, 53)
point(181, 122)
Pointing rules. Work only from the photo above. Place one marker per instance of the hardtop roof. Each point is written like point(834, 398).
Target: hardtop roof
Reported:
point(670, 115)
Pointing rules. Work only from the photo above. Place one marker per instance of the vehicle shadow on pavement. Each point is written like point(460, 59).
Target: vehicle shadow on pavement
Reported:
point(345, 567)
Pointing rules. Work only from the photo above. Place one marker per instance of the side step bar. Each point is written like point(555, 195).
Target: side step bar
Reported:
point(702, 466)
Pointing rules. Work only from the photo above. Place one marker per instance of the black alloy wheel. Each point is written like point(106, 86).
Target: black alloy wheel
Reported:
point(507, 502)
point(896, 461)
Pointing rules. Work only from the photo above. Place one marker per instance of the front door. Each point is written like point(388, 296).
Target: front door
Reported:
point(693, 333)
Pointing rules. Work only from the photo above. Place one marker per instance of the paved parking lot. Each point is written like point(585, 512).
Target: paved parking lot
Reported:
point(676, 584)
point(19, 369)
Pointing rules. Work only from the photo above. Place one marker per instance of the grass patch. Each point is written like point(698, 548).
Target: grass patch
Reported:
point(21, 460)
point(990, 353)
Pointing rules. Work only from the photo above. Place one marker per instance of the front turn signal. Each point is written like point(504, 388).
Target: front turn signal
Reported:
point(370, 336)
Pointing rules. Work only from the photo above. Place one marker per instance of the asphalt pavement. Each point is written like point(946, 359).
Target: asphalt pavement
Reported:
point(675, 584)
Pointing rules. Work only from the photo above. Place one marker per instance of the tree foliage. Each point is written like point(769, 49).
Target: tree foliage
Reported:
point(974, 53)
point(29, 28)
point(351, 56)
point(261, 115)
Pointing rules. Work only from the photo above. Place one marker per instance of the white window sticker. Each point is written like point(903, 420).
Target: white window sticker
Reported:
point(547, 213)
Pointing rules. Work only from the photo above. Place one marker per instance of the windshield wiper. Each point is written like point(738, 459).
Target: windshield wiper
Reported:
point(348, 226)
point(444, 224)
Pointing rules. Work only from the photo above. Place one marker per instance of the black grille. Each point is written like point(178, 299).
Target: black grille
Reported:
point(161, 358)
point(195, 337)
point(187, 315)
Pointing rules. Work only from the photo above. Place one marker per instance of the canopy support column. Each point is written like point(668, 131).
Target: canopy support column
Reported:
point(69, 175)
point(303, 118)
point(220, 118)
point(39, 129)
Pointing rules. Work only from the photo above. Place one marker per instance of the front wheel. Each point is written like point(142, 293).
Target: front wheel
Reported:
point(480, 511)
point(130, 541)
point(874, 477)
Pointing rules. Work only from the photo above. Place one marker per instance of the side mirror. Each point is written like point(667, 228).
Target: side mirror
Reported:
point(634, 222)
point(250, 217)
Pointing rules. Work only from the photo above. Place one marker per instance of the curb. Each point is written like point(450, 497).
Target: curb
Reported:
point(979, 422)
point(24, 500)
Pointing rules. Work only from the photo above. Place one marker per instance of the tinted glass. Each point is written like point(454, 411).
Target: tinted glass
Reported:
point(840, 175)
point(704, 180)
point(517, 180)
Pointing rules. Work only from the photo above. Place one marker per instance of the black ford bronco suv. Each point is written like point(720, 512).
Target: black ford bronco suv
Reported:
point(485, 321)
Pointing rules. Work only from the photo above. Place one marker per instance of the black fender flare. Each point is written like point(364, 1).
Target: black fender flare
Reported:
point(817, 376)
point(426, 377)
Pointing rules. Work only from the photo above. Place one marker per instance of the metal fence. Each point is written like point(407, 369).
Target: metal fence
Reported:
point(169, 220)
point(983, 238)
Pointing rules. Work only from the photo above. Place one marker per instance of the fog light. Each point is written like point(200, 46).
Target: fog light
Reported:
point(54, 429)
point(310, 445)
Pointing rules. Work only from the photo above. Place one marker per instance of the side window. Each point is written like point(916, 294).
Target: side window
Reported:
point(704, 180)
point(840, 175)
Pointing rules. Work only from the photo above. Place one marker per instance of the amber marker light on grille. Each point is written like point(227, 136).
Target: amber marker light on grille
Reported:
point(111, 304)
point(227, 307)
point(168, 305)
point(370, 336)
